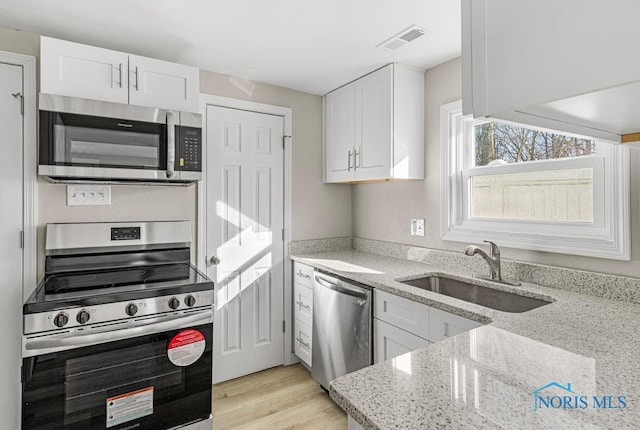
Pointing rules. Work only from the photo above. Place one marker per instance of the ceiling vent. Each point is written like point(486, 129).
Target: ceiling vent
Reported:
point(399, 40)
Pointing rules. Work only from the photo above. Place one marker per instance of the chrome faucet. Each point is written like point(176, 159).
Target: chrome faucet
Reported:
point(493, 259)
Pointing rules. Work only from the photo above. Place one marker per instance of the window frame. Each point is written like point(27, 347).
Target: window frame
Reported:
point(608, 236)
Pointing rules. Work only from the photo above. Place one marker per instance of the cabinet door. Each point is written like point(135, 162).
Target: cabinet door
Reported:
point(444, 324)
point(374, 119)
point(403, 313)
point(303, 274)
point(161, 84)
point(76, 70)
point(340, 134)
point(302, 342)
point(391, 341)
point(303, 304)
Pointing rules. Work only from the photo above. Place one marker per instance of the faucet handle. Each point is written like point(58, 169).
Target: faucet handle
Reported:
point(495, 251)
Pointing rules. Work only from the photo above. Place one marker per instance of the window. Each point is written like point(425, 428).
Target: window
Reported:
point(530, 188)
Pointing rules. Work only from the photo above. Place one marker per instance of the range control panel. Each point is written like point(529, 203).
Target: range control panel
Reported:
point(189, 157)
point(77, 317)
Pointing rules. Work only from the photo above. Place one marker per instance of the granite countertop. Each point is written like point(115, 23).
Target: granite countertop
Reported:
point(485, 378)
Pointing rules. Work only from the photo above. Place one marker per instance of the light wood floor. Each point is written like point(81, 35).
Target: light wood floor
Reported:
point(278, 398)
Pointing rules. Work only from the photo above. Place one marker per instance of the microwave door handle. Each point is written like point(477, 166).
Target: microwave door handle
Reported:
point(42, 346)
point(171, 144)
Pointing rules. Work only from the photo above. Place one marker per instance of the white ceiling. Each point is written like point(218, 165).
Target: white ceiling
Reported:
point(308, 45)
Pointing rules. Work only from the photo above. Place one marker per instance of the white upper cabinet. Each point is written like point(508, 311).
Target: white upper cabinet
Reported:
point(158, 83)
point(567, 65)
point(374, 127)
point(340, 131)
point(374, 117)
point(76, 70)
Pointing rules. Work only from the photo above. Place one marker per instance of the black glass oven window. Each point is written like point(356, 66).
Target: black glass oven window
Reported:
point(83, 140)
point(69, 389)
point(83, 145)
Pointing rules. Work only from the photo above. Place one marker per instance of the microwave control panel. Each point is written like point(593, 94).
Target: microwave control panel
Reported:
point(189, 151)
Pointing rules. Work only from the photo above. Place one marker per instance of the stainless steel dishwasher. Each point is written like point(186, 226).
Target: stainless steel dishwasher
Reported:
point(342, 329)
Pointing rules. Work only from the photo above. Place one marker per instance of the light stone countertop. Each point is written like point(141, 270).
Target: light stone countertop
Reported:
point(484, 378)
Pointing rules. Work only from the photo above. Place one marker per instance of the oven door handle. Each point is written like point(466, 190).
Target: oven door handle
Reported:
point(75, 340)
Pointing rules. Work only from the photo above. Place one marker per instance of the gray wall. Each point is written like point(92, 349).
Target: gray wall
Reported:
point(319, 210)
point(381, 211)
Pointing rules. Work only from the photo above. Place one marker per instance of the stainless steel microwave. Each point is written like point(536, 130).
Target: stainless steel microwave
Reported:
point(92, 141)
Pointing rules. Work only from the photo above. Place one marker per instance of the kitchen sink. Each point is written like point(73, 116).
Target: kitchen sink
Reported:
point(483, 296)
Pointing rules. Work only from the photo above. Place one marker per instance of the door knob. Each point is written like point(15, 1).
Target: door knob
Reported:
point(214, 260)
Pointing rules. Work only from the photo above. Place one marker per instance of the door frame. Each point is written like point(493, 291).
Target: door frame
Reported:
point(201, 251)
point(29, 164)
point(29, 183)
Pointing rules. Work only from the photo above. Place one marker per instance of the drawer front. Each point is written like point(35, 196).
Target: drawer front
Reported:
point(303, 304)
point(444, 324)
point(303, 274)
point(402, 313)
point(302, 342)
point(391, 341)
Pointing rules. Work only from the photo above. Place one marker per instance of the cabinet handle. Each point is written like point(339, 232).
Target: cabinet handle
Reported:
point(120, 75)
point(303, 343)
point(349, 162)
point(136, 73)
point(359, 155)
point(302, 275)
point(303, 305)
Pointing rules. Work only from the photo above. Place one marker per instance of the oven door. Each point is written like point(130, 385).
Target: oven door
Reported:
point(75, 145)
point(152, 381)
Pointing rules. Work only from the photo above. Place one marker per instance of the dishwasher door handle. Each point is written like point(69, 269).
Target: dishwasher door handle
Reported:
point(341, 288)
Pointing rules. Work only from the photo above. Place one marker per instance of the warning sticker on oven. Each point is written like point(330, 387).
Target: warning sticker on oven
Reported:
point(186, 347)
point(129, 406)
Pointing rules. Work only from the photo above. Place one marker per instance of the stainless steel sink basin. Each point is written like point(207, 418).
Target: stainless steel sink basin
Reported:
point(483, 296)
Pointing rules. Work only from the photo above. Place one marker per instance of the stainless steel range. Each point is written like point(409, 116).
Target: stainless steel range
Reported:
point(118, 335)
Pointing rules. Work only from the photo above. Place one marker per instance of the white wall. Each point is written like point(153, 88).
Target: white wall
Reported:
point(381, 211)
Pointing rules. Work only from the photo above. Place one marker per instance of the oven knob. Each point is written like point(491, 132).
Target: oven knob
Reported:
point(131, 309)
point(61, 319)
point(174, 303)
point(83, 317)
point(190, 300)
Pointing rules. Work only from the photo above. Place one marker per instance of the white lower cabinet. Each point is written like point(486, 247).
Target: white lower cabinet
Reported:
point(302, 346)
point(444, 324)
point(303, 311)
point(390, 341)
point(353, 424)
point(401, 325)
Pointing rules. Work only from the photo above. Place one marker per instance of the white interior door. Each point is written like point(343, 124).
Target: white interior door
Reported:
point(245, 205)
point(11, 141)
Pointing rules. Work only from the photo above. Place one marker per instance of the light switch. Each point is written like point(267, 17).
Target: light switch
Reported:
point(85, 195)
point(417, 227)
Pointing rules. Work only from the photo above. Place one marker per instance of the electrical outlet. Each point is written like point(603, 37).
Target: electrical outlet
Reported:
point(86, 195)
point(417, 227)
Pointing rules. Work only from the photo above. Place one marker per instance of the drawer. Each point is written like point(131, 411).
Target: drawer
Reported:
point(402, 313)
point(390, 341)
point(444, 324)
point(303, 274)
point(303, 304)
point(302, 341)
